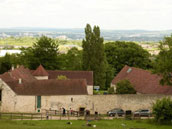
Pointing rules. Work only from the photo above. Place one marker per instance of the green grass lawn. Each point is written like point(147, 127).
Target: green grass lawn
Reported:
point(80, 124)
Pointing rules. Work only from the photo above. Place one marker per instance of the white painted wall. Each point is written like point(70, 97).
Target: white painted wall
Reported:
point(41, 77)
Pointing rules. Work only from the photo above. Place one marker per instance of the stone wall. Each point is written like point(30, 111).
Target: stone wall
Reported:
point(15, 103)
point(8, 102)
point(101, 103)
point(90, 89)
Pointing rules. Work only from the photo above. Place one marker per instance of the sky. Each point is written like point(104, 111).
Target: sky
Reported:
point(107, 14)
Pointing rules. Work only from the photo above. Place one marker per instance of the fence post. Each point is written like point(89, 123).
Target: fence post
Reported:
point(60, 115)
point(68, 115)
point(41, 116)
point(21, 116)
point(11, 116)
point(31, 116)
point(0, 115)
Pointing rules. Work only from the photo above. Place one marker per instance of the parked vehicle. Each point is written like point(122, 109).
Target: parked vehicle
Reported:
point(142, 112)
point(116, 111)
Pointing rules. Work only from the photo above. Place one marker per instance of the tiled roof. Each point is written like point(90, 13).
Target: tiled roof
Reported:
point(144, 81)
point(46, 87)
point(53, 87)
point(88, 75)
point(40, 71)
point(22, 73)
point(31, 86)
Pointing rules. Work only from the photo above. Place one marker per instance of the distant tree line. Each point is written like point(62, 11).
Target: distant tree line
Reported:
point(105, 60)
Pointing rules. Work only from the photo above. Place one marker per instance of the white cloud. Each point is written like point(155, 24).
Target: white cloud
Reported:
point(108, 14)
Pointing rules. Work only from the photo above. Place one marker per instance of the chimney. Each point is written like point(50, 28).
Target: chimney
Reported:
point(12, 68)
point(20, 81)
point(18, 66)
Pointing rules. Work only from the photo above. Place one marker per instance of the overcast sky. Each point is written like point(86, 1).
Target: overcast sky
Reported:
point(108, 14)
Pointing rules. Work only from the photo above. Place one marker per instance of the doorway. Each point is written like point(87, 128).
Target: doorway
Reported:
point(81, 111)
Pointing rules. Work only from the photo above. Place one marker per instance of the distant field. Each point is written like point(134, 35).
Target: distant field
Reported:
point(28, 41)
point(64, 45)
point(24, 41)
point(80, 124)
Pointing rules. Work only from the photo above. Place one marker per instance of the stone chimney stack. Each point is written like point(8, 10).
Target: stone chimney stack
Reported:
point(18, 66)
point(12, 68)
point(20, 81)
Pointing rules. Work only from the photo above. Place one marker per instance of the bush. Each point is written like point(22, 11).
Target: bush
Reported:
point(125, 87)
point(111, 90)
point(62, 77)
point(162, 110)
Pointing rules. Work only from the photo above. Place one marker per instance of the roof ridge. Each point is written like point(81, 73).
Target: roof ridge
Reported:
point(40, 71)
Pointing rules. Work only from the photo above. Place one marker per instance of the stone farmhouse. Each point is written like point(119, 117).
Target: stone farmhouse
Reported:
point(24, 90)
point(144, 81)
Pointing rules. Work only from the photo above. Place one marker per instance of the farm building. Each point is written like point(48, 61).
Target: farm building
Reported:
point(24, 90)
point(144, 81)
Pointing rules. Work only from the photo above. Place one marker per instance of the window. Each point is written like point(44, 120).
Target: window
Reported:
point(71, 99)
point(38, 101)
point(0, 95)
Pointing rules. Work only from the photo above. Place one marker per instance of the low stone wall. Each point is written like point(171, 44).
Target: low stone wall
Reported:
point(100, 103)
point(104, 103)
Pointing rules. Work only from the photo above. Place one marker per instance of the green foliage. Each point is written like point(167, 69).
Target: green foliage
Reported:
point(163, 62)
point(111, 90)
point(62, 77)
point(19, 41)
point(121, 53)
point(125, 87)
point(109, 76)
point(74, 59)
point(94, 56)
point(162, 110)
point(44, 51)
point(99, 92)
point(7, 62)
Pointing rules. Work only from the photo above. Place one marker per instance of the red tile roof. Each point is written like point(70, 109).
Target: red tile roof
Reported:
point(53, 87)
point(46, 87)
point(40, 71)
point(144, 81)
point(88, 75)
point(22, 73)
point(31, 86)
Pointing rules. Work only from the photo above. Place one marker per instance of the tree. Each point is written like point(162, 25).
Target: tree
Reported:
point(162, 110)
point(125, 87)
point(93, 55)
point(44, 51)
point(163, 62)
point(121, 53)
point(109, 76)
point(7, 62)
point(74, 59)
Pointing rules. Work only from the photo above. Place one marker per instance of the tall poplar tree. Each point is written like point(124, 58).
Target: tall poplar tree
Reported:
point(94, 56)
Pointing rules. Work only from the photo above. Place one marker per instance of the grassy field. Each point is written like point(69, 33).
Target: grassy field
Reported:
point(28, 41)
point(102, 124)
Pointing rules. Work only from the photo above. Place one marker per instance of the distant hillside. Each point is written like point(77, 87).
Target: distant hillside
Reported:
point(78, 34)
